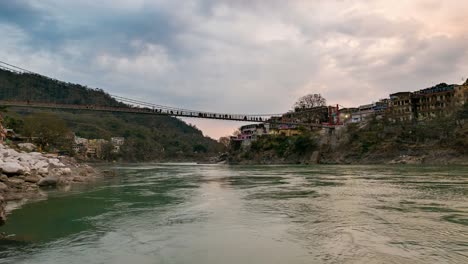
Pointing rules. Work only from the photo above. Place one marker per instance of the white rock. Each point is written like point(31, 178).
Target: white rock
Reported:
point(12, 168)
point(66, 171)
point(48, 181)
point(61, 171)
point(40, 165)
point(26, 166)
point(56, 163)
point(10, 159)
point(43, 171)
point(10, 153)
point(27, 146)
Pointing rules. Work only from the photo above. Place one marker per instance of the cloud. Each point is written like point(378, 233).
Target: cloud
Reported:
point(240, 56)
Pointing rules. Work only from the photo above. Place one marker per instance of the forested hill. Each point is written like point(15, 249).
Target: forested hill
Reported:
point(147, 137)
point(35, 87)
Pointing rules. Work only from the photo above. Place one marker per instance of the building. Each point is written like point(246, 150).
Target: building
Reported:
point(461, 94)
point(439, 100)
point(249, 133)
point(117, 143)
point(400, 107)
point(80, 145)
point(347, 113)
point(363, 113)
point(367, 111)
point(287, 130)
point(434, 101)
point(95, 147)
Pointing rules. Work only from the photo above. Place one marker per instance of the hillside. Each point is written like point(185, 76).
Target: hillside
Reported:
point(147, 137)
point(442, 140)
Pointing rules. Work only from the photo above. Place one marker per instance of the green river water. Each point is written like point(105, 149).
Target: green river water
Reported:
point(188, 213)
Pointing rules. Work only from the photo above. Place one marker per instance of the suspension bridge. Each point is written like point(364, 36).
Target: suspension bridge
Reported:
point(128, 105)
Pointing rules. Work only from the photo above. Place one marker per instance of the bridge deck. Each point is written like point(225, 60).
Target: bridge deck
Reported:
point(137, 110)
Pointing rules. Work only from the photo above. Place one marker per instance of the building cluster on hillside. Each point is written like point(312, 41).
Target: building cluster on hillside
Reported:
point(439, 100)
point(249, 133)
point(94, 148)
point(424, 104)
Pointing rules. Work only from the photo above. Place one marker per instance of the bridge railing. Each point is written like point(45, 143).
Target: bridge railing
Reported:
point(155, 111)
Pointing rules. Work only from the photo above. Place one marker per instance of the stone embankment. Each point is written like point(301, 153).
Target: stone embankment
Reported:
point(24, 174)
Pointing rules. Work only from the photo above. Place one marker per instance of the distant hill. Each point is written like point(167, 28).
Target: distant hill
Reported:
point(147, 137)
point(14, 86)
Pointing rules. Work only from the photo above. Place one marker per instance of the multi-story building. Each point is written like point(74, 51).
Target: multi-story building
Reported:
point(347, 113)
point(400, 107)
point(80, 145)
point(117, 142)
point(249, 133)
point(95, 147)
point(461, 94)
point(367, 111)
point(434, 101)
point(363, 112)
point(439, 100)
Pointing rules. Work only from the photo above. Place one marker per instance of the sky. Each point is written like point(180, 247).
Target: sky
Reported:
point(255, 56)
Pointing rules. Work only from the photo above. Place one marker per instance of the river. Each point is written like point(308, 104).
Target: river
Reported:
point(188, 213)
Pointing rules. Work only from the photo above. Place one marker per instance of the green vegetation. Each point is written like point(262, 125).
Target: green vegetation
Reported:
point(439, 140)
point(32, 87)
point(48, 131)
point(383, 138)
point(147, 137)
point(279, 147)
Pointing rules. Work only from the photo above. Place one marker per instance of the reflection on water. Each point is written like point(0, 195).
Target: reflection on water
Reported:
point(187, 213)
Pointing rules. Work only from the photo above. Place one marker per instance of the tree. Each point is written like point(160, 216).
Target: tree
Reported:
point(199, 148)
point(225, 141)
point(463, 113)
point(310, 101)
point(48, 130)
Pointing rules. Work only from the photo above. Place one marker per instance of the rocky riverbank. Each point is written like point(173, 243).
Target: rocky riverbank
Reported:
point(23, 175)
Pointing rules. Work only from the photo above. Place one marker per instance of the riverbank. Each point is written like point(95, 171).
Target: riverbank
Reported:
point(435, 142)
point(342, 155)
point(24, 175)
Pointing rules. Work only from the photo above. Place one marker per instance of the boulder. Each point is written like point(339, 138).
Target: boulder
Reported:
point(43, 171)
point(3, 187)
point(40, 164)
point(3, 178)
point(12, 168)
point(26, 166)
point(65, 171)
point(79, 179)
point(48, 181)
point(32, 179)
point(27, 147)
point(60, 171)
point(30, 187)
point(15, 183)
point(56, 163)
point(9, 153)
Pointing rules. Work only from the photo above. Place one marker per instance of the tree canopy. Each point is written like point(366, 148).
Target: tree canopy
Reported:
point(48, 130)
point(310, 101)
